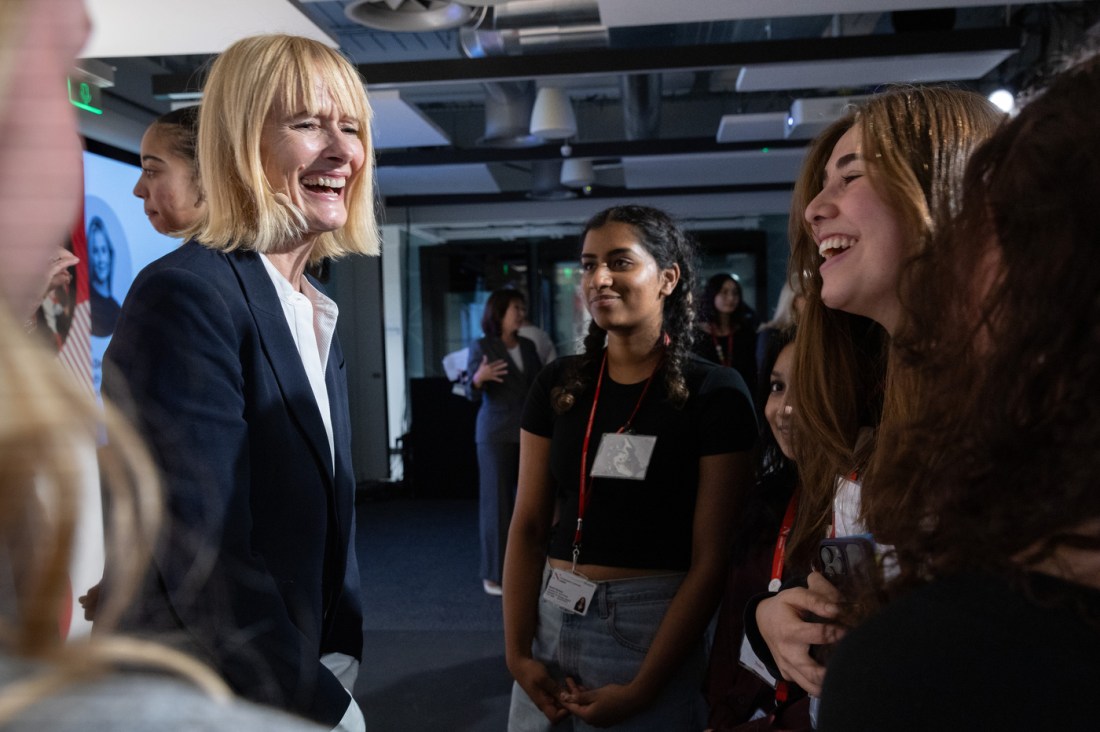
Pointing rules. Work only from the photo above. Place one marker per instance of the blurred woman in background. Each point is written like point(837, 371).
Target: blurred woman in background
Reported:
point(503, 365)
point(726, 331)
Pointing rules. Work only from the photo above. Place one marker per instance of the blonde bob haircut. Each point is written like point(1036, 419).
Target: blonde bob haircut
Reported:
point(243, 211)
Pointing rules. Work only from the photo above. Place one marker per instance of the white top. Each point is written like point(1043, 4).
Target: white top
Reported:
point(311, 317)
point(543, 345)
point(517, 356)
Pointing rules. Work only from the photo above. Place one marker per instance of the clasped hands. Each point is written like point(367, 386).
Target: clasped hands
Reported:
point(600, 707)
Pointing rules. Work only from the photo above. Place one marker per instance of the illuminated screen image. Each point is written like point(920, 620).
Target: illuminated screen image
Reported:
point(121, 241)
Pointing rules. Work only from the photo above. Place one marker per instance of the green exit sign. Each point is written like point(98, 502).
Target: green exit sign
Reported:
point(85, 96)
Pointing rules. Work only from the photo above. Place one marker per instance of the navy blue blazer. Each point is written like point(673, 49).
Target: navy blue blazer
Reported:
point(501, 410)
point(256, 571)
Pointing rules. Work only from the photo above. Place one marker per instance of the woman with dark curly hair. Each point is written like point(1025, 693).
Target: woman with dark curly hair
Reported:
point(652, 546)
point(727, 327)
point(988, 491)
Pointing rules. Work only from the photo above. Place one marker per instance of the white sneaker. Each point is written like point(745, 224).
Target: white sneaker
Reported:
point(491, 588)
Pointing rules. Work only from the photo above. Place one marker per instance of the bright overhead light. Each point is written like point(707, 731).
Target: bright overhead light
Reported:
point(1003, 100)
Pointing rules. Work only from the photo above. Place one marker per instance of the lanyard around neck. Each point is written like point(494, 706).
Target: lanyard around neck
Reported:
point(780, 554)
point(586, 480)
point(724, 357)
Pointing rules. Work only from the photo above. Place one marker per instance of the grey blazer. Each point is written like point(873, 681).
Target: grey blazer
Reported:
point(501, 410)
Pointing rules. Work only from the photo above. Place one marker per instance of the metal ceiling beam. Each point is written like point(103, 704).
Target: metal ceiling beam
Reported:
point(598, 192)
point(605, 149)
point(652, 60)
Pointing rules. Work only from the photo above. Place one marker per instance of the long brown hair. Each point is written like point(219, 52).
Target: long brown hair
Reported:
point(997, 468)
point(915, 141)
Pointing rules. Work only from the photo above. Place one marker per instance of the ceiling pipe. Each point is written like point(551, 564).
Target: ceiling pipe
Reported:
point(536, 26)
point(533, 13)
point(641, 101)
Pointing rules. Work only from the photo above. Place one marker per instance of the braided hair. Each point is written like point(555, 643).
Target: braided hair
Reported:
point(668, 245)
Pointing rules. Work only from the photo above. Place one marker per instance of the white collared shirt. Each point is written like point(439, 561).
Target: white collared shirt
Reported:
point(311, 317)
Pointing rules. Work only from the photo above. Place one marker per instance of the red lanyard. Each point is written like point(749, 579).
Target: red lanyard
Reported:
point(726, 357)
point(586, 480)
point(781, 689)
point(781, 544)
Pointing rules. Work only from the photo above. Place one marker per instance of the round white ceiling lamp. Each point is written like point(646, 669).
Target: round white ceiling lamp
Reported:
point(577, 173)
point(413, 16)
point(552, 117)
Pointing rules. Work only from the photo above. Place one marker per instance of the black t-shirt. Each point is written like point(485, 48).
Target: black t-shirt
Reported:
point(639, 523)
point(971, 652)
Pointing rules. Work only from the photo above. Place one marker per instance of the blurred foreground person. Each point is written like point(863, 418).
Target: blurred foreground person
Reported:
point(48, 428)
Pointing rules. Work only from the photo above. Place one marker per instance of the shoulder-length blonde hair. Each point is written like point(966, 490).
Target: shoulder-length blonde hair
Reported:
point(48, 429)
point(915, 142)
point(246, 82)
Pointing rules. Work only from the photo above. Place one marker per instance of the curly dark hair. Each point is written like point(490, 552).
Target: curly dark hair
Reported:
point(669, 246)
point(997, 468)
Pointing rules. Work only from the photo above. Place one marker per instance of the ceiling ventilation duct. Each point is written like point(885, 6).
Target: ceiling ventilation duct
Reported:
point(413, 16)
point(508, 115)
point(641, 96)
point(546, 181)
point(537, 26)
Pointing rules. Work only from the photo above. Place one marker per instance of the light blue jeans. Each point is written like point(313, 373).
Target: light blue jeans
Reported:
point(607, 646)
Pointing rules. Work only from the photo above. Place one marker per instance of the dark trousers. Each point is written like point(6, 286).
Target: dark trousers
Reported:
point(498, 472)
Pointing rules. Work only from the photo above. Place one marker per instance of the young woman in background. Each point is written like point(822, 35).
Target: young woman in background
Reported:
point(726, 333)
point(503, 365)
point(647, 553)
point(735, 690)
point(169, 182)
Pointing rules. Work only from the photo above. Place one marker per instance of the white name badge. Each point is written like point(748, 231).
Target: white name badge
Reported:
point(623, 456)
point(569, 591)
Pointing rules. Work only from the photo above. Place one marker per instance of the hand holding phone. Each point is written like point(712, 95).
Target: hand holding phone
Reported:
point(848, 562)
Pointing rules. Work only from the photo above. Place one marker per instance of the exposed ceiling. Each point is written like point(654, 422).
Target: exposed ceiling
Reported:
point(702, 106)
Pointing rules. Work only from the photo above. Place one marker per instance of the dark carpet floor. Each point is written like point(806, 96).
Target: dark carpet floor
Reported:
point(433, 654)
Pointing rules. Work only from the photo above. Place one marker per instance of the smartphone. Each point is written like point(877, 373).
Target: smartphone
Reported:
point(848, 562)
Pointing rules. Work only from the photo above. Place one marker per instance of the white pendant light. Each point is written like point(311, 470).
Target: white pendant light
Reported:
point(553, 118)
point(577, 173)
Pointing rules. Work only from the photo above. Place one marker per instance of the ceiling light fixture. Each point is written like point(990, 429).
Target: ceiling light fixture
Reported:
point(577, 173)
point(552, 117)
point(1003, 100)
